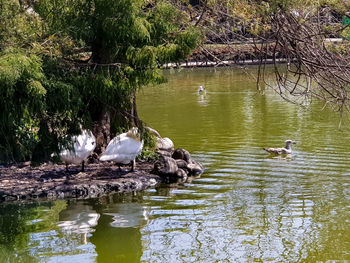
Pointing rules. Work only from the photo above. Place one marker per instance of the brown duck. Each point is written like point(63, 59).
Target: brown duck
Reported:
point(286, 150)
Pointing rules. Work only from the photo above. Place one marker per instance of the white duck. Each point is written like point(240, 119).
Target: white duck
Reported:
point(286, 150)
point(84, 144)
point(201, 90)
point(124, 148)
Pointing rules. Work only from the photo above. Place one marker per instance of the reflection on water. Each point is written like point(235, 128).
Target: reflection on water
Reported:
point(118, 236)
point(246, 207)
point(128, 215)
point(203, 100)
point(78, 218)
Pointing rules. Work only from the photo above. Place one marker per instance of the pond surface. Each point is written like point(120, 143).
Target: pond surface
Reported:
point(246, 207)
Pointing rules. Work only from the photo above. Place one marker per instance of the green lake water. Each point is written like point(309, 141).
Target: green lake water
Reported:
point(246, 207)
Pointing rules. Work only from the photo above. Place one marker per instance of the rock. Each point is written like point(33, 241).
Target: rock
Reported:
point(185, 162)
point(195, 168)
point(181, 173)
point(165, 166)
point(152, 182)
point(165, 144)
point(181, 164)
point(165, 153)
point(181, 154)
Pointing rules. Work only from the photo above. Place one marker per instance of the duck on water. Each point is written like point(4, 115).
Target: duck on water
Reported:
point(201, 90)
point(278, 151)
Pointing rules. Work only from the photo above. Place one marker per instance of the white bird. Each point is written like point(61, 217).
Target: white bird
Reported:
point(84, 144)
point(286, 150)
point(165, 144)
point(124, 148)
point(201, 90)
point(162, 143)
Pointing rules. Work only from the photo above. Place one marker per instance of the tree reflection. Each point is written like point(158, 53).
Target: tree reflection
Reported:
point(117, 237)
point(18, 221)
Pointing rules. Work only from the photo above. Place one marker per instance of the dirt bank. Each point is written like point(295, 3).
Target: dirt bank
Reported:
point(52, 181)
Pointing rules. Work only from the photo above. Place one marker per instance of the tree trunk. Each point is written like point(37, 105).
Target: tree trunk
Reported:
point(102, 131)
point(102, 118)
point(134, 115)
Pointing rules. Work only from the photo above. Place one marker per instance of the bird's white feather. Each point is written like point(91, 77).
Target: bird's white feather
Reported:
point(122, 149)
point(84, 144)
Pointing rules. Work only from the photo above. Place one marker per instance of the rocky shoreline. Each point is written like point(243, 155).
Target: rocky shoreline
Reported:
point(52, 181)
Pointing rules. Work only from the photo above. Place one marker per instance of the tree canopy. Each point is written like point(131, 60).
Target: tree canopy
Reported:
point(66, 63)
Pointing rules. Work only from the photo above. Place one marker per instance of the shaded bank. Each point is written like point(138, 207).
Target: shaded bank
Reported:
point(52, 181)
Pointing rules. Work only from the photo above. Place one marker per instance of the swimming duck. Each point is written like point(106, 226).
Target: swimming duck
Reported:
point(124, 148)
point(84, 144)
point(201, 90)
point(286, 150)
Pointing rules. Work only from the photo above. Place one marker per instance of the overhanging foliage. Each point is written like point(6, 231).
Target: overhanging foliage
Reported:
point(82, 63)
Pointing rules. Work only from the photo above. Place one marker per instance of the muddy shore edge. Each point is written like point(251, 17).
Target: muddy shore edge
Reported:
point(52, 181)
